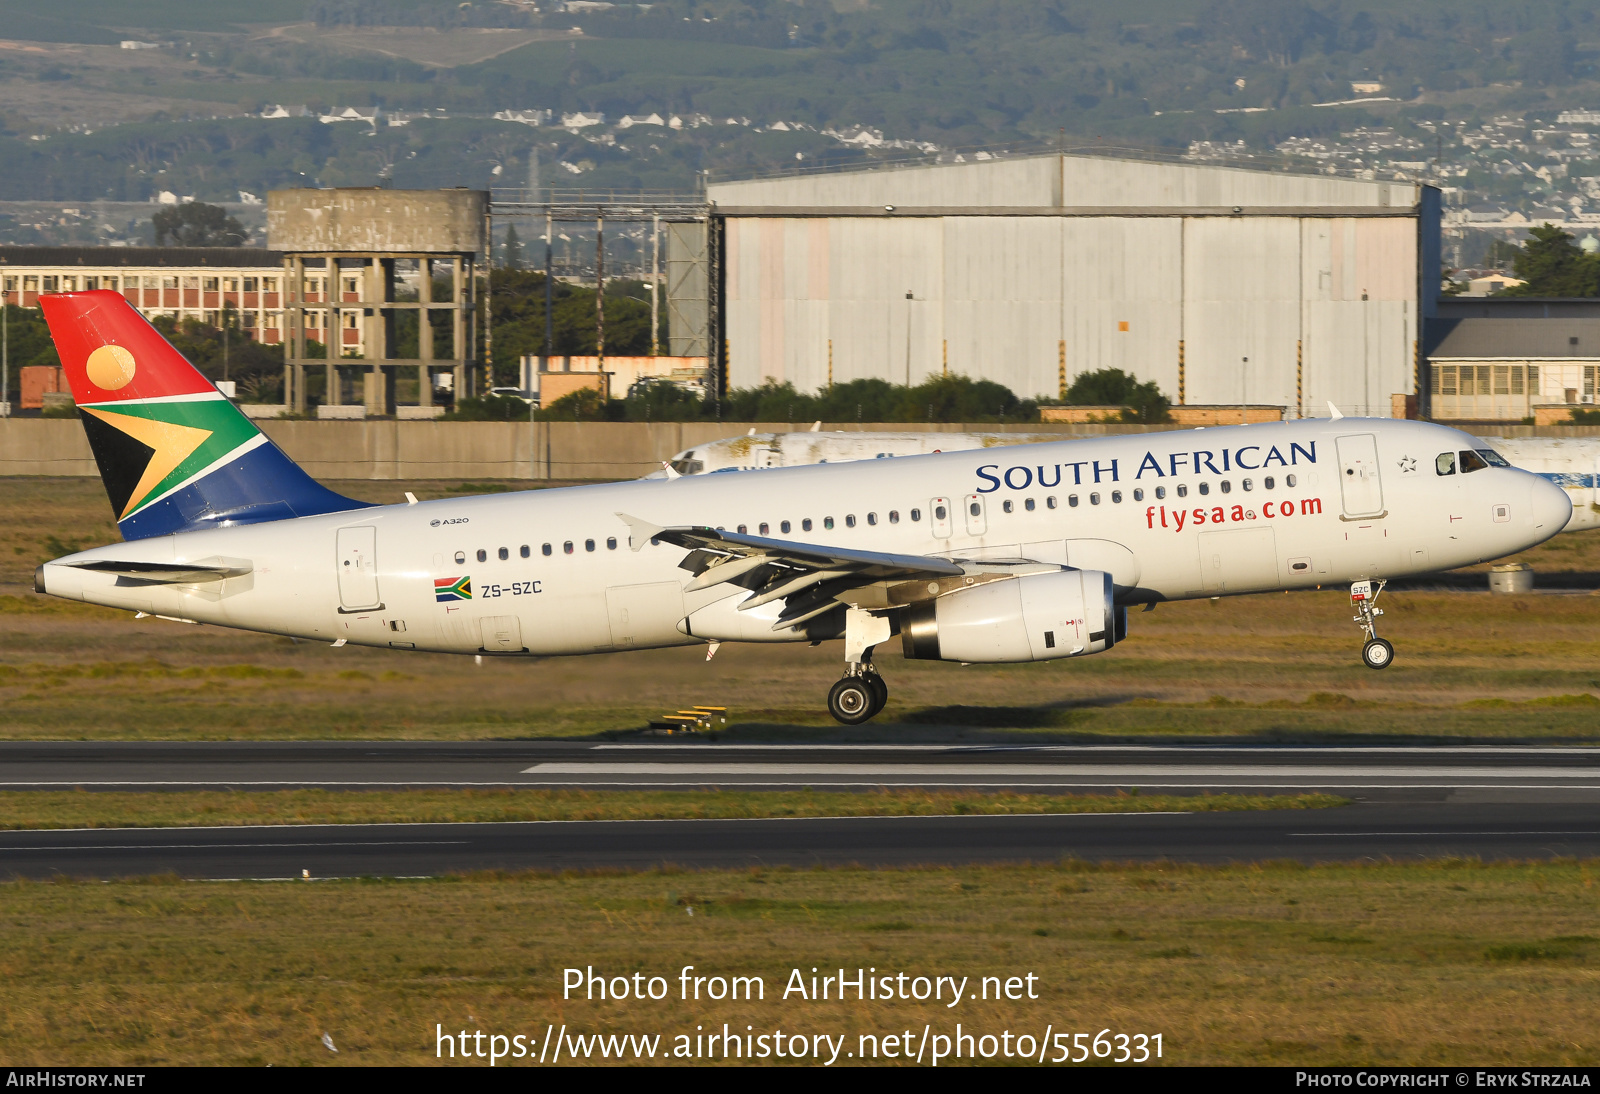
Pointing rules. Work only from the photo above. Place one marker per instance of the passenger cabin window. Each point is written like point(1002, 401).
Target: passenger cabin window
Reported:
point(784, 527)
point(1094, 499)
point(743, 529)
point(916, 515)
point(1266, 484)
point(1028, 505)
point(1471, 461)
point(894, 516)
point(939, 512)
point(1289, 481)
point(1050, 502)
point(526, 551)
point(872, 518)
point(1183, 490)
point(546, 550)
point(850, 520)
point(483, 556)
point(461, 558)
point(763, 527)
point(1161, 492)
point(1138, 493)
point(1247, 485)
point(567, 547)
point(827, 522)
point(1227, 487)
point(588, 545)
point(1005, 506)
point(1205, 488)
point(505, 553)
point(1116, 497)
point(611, 543)
point(805, 525)
point(1445, 464)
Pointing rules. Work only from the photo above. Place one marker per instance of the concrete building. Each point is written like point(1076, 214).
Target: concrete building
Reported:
point(183, 282)
point(1222, 285)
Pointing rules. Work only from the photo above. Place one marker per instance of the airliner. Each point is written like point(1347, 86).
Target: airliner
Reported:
point(1019, 554)
point(1572, 463)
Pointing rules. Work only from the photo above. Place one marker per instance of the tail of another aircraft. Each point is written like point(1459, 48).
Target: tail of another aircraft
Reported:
point(174, 453)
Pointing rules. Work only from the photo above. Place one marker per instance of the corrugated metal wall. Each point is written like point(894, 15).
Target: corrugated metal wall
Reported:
point(1324, 307)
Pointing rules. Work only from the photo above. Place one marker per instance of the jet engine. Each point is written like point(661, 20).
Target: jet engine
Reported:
point(1035, 617)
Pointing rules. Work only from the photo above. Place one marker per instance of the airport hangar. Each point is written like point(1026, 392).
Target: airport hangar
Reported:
point(1223, 285)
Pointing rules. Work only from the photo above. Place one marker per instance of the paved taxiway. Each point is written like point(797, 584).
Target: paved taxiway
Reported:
point(1474, 773)
point(1359, 832)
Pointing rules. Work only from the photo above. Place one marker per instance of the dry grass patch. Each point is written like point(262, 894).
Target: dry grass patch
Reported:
point(31, 809)
point(1452, 963)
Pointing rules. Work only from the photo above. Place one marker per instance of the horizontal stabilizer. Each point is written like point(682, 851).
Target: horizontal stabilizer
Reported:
point(162, 573)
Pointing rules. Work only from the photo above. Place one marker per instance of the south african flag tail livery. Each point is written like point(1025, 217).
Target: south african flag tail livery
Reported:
point(175, 454)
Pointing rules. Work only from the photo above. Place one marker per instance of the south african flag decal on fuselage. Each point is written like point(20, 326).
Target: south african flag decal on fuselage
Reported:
point(446, 589)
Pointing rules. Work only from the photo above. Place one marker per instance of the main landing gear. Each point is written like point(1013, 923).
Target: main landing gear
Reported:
point(1377, 653)
point(862, 693)
point(859, 696)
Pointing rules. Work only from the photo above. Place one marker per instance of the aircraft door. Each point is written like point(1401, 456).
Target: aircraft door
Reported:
point(939, 517)
point(502, 634)
point(1238, 560)
point(358, 569)
point(1359, 483)
point(977, 517)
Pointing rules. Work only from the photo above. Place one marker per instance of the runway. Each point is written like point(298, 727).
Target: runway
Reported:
point(1353, 833)
point(1486, 773)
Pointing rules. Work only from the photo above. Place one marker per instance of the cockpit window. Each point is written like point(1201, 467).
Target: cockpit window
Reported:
point(1493, 458)
point(1446, 463)
point(1472, 461)
point(688, 466)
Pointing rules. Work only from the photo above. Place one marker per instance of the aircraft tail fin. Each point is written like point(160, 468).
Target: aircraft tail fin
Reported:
point(175, 455)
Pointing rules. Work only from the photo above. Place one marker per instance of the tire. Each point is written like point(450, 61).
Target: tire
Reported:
point(880, 693)
point(1378, 654)
point(852, 701)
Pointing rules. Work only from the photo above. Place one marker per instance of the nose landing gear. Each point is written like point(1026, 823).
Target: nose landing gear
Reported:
point(1377, 653)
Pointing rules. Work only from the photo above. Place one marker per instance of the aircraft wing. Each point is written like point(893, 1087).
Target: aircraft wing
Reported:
point(807, 577)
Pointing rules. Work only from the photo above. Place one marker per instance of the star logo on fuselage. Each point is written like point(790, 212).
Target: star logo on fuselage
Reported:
point(1408, 464)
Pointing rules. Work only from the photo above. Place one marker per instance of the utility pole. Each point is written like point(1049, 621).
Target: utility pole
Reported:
point(488, 301)
point(549, 335)
point(909, 299)
point(655, 285)
point(5, 352)
point(600, 290)
point(224, 337)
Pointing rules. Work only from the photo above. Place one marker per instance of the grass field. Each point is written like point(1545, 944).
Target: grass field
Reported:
point(1454, 963)
point(34, 809)
point(1271, 667)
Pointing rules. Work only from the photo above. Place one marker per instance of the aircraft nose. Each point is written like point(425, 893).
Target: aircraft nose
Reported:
point(1552, 508)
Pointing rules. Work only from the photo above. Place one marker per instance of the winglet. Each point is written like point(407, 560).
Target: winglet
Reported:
point(672, 472)
point(752, 432)
point(816, 426)
point(640, 532)
point(1333, 411)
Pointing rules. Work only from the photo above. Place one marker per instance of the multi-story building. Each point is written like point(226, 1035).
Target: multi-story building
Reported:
point(185, 283)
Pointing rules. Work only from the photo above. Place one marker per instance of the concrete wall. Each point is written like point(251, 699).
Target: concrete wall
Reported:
point(511, 450)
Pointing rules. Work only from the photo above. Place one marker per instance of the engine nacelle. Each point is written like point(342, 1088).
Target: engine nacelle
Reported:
point(1036, 617)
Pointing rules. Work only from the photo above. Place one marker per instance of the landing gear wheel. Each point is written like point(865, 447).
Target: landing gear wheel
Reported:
point(852, 701)
point(880, 693)
point(1378, 653)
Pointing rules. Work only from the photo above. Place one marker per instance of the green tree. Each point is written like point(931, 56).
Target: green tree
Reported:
point(511, 253)
point(1551, 264)
point(1113, 387)
point(196, 224)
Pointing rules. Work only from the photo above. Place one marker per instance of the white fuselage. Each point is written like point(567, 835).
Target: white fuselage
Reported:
point(1572, 463)
point(1170, 515)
